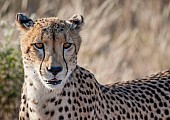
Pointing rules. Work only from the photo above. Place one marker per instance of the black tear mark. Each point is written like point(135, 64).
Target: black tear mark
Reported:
point(65, 61)
point(42, 61)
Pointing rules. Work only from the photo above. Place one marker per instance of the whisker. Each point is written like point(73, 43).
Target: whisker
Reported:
point(68, 29)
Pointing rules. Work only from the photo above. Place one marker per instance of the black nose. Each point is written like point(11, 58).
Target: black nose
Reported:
point(55, 70)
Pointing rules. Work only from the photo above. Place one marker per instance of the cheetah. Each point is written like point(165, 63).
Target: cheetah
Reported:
point(56, 88)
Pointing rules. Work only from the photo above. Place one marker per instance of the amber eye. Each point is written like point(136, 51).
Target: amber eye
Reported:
point(67, 45)
point(39, 45)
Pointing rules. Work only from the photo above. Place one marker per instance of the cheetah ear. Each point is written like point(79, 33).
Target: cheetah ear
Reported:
point(76, 21)
point(23, 22)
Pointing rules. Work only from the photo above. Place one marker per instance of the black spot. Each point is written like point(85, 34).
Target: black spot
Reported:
point(90, 109)
point(90, 76)
point(80, 117)
point(84, 109)
point(81, 73)
point(93, 98)
point(103, 106)
point(141, 116)
point(69, 101)
point(59, 101)
point(73, 108)
point(119, 118)
point(75, 85)
point(107, 111)
point(80, 76)
point(23, 97)
point(80, 110)
point(165, 105)
point(166, 112)
point(128, 104)
point(75, 101)
point(160, 85)
point(83, 81)
point(69, 115)
point(149, 107)
point(157, 97)
point(112, 110)
point(68, 84)
point(85, 100)
point(78, 103)
point(112, 98)
point(60, 109)
point(152, 115)
point(156, 118)
point(146, 118)
point(91, 86)
point(136, 117)
point(52, 99)
point(121, 102)
point(30, 110)
point(137, 99)
point(166, 97)
point(23, 109)
point(87, 84)
point(61, 117)
point(105, 117)
point(128, 115)
point(77, 75)
point(47, 112)
point(166, 84)
point(24, 101)
point(147, 100)
point(85, 118)
point(68, 93)
point(73, 94)
point(139, 105)
point(52, 113)
point(27, 114)
point(155, 105)
point(79, 81)
point(77, 94)
point(89, 101)
point(151, 100)
point(75, 114)
point(132, 109)
point(116, 108)
point(168, 118)
point(148, 93)
point(71, 82)
point(66, 108)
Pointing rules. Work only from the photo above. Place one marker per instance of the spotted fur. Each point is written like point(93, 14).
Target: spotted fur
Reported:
point(79, 96)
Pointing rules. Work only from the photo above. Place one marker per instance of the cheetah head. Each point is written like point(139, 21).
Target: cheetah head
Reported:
point(49, 47)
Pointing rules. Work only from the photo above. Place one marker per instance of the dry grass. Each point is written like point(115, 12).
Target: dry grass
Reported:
point(122, 40)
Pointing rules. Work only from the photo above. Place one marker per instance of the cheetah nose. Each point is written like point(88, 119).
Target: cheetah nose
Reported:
point(55, 70)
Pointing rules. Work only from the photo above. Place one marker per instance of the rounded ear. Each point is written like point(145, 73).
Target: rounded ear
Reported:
point(76, 21)
point(23, 22)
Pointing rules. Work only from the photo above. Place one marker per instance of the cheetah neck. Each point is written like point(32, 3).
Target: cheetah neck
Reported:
point(42, 101)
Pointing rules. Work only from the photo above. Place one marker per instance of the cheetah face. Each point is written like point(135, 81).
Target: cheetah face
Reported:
point(49, 48)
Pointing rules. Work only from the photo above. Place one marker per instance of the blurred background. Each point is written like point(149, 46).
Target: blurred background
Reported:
point(121, 40)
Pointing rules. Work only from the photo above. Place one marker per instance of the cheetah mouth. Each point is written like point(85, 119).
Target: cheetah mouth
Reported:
point(53, 81)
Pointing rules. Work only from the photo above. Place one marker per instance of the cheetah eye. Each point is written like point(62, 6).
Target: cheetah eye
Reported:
point(39, 45)
point(67, 45)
